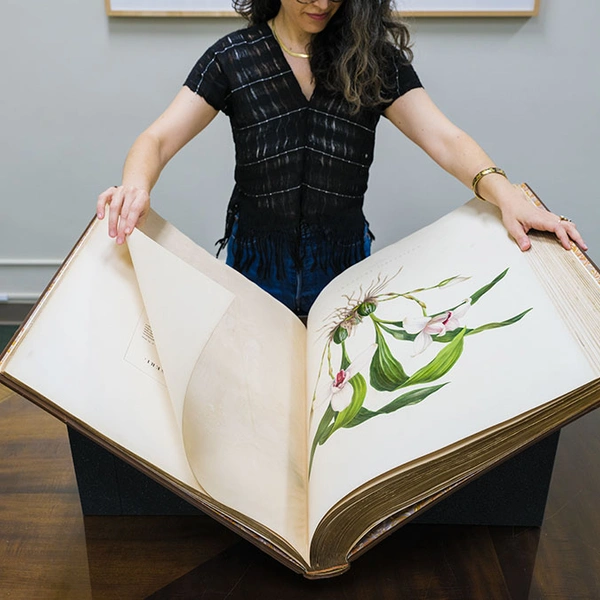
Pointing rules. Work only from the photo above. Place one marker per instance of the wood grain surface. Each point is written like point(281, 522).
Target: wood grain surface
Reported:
point(49, 550)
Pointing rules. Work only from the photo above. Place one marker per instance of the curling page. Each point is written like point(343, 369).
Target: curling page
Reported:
point(426, 342)
point(89, 350)
point(234, 364)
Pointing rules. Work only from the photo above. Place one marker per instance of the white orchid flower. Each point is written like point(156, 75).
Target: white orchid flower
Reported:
point(427, 327)
point(341, 391)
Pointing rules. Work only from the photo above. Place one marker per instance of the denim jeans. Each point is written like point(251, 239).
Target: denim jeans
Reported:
point(299, 287)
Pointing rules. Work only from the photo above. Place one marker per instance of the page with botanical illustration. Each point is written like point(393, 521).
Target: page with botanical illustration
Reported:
point(425, 343)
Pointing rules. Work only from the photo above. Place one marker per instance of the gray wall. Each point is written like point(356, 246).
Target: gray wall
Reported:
point(78, 87)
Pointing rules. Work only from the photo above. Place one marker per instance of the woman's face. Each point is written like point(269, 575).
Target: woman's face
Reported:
point(308, 18)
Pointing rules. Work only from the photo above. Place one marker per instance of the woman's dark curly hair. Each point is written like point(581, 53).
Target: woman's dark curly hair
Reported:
point(351, 54)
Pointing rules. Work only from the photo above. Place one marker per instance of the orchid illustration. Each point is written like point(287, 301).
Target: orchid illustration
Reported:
point(375, 369)
point(341, 391)
point(426, 327)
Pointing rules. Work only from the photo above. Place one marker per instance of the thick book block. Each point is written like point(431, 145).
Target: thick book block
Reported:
point(512, 494)
point(437, 361)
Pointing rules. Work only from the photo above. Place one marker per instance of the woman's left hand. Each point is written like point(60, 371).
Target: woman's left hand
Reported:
point(520, 215)
point(415, 114)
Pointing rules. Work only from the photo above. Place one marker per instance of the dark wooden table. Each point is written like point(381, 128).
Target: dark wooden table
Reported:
point(49, 550)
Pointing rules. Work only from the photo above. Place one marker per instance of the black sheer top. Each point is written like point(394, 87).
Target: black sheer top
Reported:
point(299, 163)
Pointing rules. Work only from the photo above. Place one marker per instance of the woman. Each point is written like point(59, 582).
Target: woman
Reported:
point(304, 87)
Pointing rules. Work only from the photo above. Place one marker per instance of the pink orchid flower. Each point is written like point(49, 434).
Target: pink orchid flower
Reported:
point(341, 391)
point(427, 327)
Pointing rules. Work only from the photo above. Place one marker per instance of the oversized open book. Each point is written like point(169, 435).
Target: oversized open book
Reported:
point(420, 368)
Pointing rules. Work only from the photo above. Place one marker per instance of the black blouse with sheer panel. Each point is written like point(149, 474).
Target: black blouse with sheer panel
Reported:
point(299, 162)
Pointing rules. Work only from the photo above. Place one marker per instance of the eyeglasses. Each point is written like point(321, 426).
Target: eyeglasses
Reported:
point(312, 1)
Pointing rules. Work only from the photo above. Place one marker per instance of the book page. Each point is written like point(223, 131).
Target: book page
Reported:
point(243, 407)
point(115, 342)
point(428, 341)
point(89, 350)
point(183, 305)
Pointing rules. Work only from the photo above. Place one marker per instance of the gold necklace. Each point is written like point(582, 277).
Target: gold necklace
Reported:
point(284, 47)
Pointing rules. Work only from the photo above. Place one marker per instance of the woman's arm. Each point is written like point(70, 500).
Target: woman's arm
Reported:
point(128, 203)
point(420, 120)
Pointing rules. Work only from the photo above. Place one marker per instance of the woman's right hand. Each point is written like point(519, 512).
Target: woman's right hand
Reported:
point(127, 207)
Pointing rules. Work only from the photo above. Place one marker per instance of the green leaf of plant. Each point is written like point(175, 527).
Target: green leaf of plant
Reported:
point(450, 335)
point(446, 358)
point(498, 324)
point(486, 288)
point(399, 334)
point(477, 295)
point(407, 399)
point(323, 432)
point(364, 414)
point(359, 393)
point(345, 358)
point(386, 373)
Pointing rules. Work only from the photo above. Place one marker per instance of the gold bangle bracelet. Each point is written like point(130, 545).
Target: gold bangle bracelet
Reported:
point(481, 175)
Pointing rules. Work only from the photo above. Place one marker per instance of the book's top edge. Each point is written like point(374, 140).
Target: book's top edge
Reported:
point(583, 258)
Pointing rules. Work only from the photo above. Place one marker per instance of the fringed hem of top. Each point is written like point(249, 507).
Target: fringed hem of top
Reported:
point(322, 249)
